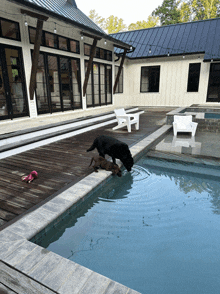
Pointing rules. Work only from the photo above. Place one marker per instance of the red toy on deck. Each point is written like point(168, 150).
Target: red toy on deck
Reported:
point(33, 175)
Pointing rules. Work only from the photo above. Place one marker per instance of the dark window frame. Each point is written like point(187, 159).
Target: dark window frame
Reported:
point(99, 86)
point(107, 53)
point(43, 43)
point(193, 77)
point(18, 30)
point(46, 68)
point(154, 79)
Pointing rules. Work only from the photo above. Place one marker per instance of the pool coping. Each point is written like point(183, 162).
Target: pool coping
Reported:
point(49, 272)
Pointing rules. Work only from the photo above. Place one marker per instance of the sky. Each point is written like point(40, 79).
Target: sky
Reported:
point(129, 11)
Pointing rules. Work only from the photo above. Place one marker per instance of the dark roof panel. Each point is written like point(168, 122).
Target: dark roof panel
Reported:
point(185, 38)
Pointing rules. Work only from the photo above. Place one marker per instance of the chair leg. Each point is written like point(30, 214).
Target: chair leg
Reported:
point(129, 128)
point(137, 126)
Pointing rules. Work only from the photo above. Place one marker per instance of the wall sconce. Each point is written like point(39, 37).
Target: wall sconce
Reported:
point(168, 54)
point(25, 22)
point(55, 30)
point(150, 51)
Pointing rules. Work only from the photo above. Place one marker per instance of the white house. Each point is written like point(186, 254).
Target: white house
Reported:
point(54, 59)
point(175, 65)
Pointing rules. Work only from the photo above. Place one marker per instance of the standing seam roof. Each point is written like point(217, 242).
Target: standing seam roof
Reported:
point(185, 38)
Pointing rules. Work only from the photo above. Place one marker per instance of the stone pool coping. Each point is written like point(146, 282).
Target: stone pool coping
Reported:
point(44, 270)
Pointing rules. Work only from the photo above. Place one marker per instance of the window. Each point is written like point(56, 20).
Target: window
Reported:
point(99, 53)
point(55, 41)
point(119, 88)
point(63, 43)
point(74, 46)
point(10, 29)
point(150, 79)
point(193, 78)
point(51, 40)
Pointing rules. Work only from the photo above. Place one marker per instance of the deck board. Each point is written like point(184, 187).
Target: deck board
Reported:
point(58, 164)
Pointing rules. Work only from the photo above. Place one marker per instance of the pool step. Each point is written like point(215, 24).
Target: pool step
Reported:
point(20, 141)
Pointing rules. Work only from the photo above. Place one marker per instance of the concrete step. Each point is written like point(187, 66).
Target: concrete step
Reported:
point(20, 141)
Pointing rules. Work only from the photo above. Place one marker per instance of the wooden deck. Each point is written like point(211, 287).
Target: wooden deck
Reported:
point(58, 165)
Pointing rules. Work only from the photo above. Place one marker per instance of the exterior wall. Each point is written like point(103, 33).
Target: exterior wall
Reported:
point(173, 82)
point(11, 11)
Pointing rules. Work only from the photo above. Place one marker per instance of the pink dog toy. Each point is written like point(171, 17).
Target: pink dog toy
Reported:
point(33, 175)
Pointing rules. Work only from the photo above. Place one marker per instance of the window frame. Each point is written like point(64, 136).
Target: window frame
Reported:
point(56, 36)
point(18, 29)
point(151, 69)
point(192, 76)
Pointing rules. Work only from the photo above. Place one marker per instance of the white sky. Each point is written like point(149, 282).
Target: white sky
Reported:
point(129, 11)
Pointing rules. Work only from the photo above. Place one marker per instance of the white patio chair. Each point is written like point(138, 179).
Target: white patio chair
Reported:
point(184, 124)
point(126, 120)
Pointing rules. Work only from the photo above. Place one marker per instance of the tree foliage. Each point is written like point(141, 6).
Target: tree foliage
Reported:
point(168, 12)
point(113, 24)
point(152, 21)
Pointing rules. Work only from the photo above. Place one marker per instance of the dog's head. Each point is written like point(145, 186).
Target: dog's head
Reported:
point(127, 160)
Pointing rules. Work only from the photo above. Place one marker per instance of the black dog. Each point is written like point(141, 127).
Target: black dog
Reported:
point(114, 148)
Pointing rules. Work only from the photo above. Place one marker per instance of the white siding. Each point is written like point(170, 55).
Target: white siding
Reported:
point(173, 82)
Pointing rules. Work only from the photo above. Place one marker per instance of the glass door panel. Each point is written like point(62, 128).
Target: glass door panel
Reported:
point(96, 83)
point(43, 104)
point(65, 83)
point(76, 84)
point(3, 102)
point(54, 87)
point(102, 84)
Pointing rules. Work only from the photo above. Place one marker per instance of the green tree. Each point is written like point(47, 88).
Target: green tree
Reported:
point(100, 21)
point(152, 21)
point(113, 24)
point(185, 12)
point(168, 12)
point(205, 9)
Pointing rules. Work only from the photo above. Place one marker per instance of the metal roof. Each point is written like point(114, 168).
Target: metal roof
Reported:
point(178, 39)
point(67, 10)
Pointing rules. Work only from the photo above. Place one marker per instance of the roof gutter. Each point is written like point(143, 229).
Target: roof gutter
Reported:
point(95, 33)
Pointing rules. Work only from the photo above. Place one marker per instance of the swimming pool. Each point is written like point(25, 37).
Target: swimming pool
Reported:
point(155, 230)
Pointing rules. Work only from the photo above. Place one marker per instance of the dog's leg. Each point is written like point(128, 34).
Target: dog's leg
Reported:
point(91, 161)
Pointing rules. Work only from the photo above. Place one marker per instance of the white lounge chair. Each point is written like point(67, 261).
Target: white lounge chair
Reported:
point(184, 124)
point(126, 120)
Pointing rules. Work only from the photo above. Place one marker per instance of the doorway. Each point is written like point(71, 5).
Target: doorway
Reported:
point(13, 95)
point(213, 94)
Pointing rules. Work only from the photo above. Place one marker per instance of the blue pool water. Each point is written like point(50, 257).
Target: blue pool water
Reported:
point(212, 115)
point(155, 230)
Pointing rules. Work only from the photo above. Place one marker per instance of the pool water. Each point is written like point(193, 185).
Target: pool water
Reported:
point(212, 115)
point(155, 230)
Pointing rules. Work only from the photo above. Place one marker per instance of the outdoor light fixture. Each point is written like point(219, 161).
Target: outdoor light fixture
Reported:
point(131, 48)
point(150, 51)
point(212, 60)
point(168, 54)
point(55, 30)
point(25, 22)
point(105, 42)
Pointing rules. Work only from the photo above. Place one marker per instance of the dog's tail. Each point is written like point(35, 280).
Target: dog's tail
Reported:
point(92, 147)
point(91, 161)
